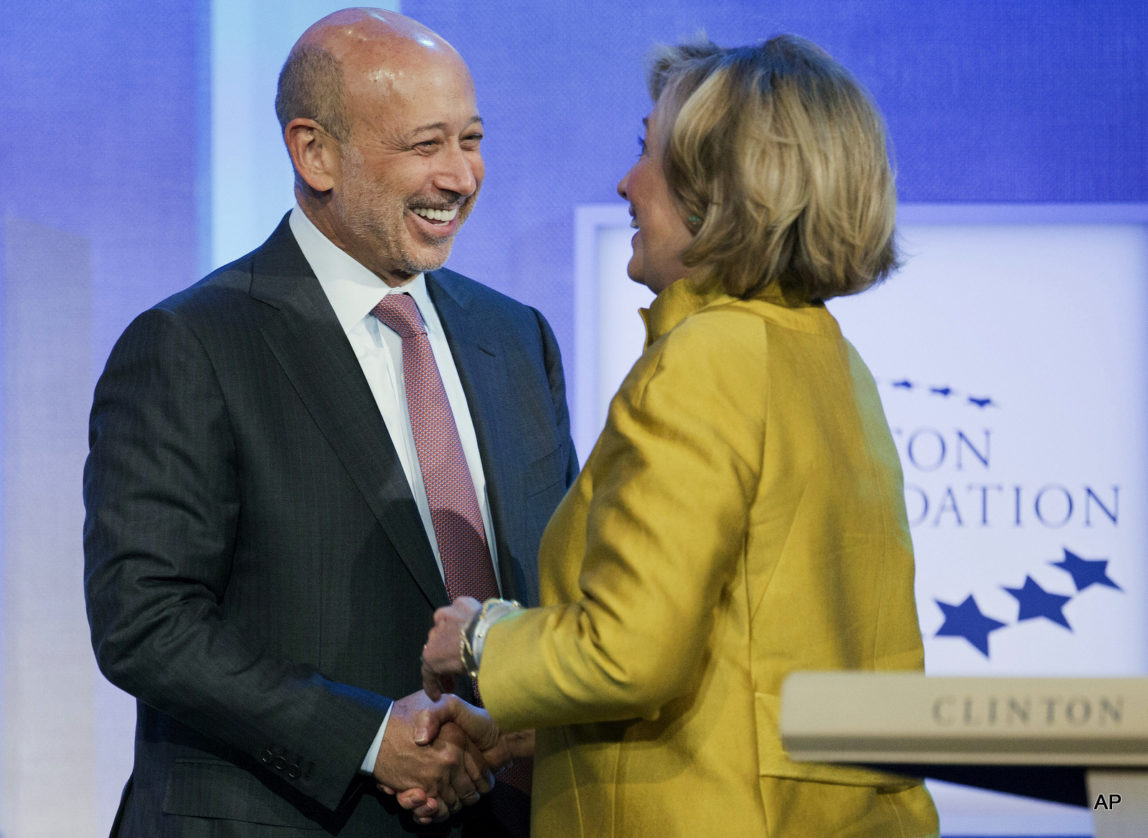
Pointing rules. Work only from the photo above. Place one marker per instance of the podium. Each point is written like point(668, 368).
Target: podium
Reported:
point(1082, 741)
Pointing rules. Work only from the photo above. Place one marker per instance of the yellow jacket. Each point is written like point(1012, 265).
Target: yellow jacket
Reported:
point(740, 517)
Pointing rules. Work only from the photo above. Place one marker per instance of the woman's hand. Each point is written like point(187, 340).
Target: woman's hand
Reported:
point(442, 657)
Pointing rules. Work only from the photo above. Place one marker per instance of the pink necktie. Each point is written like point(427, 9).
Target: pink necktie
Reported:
point(458, 529)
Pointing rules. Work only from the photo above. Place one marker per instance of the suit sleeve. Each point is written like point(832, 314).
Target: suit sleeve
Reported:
point(162, 501)
point(672, 477)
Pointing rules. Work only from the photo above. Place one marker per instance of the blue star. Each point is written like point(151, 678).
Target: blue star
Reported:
point(1035, 601)
point(904, 384)
point(1086, 572)
point(967, 621)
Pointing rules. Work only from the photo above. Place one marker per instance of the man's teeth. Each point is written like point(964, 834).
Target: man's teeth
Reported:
point(634, 223)
point(440, 216)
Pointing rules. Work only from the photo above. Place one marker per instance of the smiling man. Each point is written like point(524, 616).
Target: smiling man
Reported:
point(296, 460)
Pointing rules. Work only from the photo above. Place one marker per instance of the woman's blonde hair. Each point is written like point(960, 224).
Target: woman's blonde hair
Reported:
point(777, 159)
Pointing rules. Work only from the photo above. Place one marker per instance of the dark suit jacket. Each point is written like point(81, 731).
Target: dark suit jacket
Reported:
point(256, 571)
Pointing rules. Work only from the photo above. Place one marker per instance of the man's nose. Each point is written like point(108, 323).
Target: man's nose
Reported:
point(458, 171)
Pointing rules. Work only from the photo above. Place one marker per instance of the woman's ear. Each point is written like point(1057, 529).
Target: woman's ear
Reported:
point(314, 153)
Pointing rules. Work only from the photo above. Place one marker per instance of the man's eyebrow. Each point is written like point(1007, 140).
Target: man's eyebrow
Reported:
point(442, 126)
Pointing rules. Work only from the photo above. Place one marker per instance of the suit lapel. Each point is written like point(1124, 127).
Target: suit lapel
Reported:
point(481, 364)
point(314, 352)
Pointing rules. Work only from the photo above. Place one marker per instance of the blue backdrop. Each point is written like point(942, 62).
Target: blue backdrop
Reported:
point(106, 178)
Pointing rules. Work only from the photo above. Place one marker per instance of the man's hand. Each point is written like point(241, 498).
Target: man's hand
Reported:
point(440, 773)
point(498, 750)
point(430, 720)
point(441, 660)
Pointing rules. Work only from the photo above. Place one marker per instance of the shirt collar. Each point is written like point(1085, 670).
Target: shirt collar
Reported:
point(352, 289)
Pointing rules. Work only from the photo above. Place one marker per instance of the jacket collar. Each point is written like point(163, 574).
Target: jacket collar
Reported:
point(690, 295)
point(677, 302)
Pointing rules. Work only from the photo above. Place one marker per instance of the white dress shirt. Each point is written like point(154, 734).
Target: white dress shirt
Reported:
point(353, 292)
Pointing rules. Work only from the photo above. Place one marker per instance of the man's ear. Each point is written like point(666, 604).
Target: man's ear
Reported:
point(314, 153)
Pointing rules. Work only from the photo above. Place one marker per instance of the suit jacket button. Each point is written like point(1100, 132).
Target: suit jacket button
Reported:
point(279, 763)
point(293, 771)
point(265, 756)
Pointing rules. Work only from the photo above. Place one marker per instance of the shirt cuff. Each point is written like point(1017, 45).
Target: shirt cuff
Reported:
point(368, 766)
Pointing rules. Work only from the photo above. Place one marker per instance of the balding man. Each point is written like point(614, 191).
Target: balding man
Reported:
point(296, 460)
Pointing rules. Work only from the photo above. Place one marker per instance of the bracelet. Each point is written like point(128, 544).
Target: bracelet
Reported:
point(466, 649)
point(473, 637)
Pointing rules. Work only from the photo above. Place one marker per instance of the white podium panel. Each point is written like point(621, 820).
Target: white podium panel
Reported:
point(1081, 741)
point(906, 717)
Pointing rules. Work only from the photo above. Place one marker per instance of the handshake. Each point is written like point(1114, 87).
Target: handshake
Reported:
point(440, 753)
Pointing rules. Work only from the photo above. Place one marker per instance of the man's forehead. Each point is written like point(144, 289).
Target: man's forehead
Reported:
point(412, 79)
point(419, 100)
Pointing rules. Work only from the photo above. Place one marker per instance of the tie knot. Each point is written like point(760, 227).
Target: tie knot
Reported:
point(400, 313)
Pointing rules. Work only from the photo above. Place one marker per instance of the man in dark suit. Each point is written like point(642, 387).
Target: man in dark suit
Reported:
point(262, 561)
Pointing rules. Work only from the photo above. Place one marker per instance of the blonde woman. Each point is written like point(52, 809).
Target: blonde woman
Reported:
point(742, 514)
